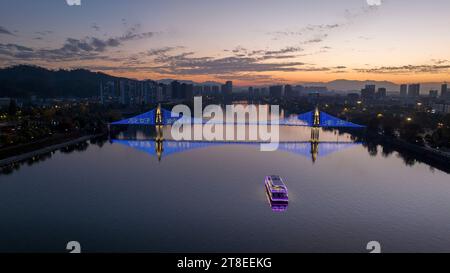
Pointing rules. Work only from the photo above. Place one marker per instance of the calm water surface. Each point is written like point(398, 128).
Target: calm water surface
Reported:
point(210, 198)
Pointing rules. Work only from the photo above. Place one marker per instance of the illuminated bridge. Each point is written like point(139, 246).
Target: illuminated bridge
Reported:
point(161, 116)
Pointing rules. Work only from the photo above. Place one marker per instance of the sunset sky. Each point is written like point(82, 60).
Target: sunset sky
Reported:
point(247, 41)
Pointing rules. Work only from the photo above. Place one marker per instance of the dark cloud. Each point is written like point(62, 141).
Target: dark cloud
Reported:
point(95, 27)
point(13, 50)
point(323, 27)
point(313, 41)
point(440, 61)
point(314, 69)
point(338, 72)
point(284, 53)
point(88, 48)
point(317, 39)
point(163, 50)
point(290, 49)
point(242, 63)
point(5, 31)
point(407, 69)
point(129, 36)
point(187, 64)
point(44, 33)
point(309, 29)
point(286, 33)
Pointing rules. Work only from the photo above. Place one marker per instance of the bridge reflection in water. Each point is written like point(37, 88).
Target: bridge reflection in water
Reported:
point(160, 148)
point(161, 117)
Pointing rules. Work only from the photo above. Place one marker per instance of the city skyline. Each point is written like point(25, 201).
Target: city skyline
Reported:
point(300, 41)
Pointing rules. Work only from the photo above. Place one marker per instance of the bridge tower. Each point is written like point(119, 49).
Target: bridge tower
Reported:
point(159, 116)
point(316, 122)
point(159, 124)
point(159, 140)
point(159, 149)
point(314, 151)
point(315, 129)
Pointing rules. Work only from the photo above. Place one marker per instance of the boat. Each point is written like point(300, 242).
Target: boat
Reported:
point(276, 189)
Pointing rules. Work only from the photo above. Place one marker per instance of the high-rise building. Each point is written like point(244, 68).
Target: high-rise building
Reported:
point(207, 90)
point(159, 92)
point(186, 91)
point(176, 90)
point(189, 92)
point(414, 90)
point(315, 89)
point(353, 98)
point(434, 93)
point(167, 91)
point(251, 94)
point(102, 99)
point(445, 94)
point(382, 93)
point(264, 91)
point(368, 92)
point(403, 90)
point(276, 91)
point(257, 93)
point(299, 89)
point(227, 92)
point(124, 97)
point(289, 92)
point(198, 90)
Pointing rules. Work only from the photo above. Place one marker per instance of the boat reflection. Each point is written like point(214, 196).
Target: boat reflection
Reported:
point(277, 206)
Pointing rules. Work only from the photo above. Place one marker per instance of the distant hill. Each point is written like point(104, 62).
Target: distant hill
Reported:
point(351, 85)
point(24, 81)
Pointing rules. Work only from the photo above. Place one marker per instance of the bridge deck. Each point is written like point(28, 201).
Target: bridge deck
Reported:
point(304, 120)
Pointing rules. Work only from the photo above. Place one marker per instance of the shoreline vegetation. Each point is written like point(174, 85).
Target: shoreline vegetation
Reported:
point(433, 157)
point(13, 155)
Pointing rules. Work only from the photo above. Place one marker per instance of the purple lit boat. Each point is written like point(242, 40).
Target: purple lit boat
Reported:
point(276, 189)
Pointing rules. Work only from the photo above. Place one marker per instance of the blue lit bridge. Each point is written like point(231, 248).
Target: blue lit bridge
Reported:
point(161, 116)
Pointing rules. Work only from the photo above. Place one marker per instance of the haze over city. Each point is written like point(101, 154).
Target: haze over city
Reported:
point(251, 42)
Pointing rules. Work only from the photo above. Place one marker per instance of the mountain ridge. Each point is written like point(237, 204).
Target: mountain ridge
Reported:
point(27, 80)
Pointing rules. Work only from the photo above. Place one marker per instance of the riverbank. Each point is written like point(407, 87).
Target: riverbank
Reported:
point(40, 151)
point(433, 157)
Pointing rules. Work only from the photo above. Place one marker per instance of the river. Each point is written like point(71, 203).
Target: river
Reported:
point(122, 195)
